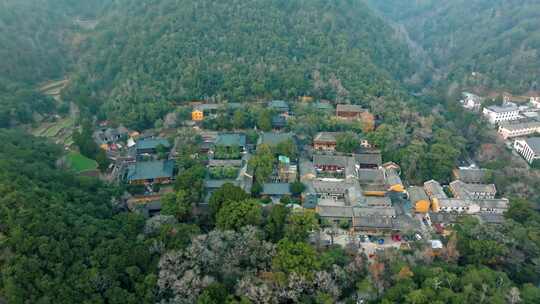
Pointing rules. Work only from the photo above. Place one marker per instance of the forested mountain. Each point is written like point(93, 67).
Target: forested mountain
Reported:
point(35, 38)
point(147, 54)
point(498, 40)
point(37, 48)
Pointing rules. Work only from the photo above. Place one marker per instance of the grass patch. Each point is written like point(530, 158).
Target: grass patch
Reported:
point(223, 172)
point(80, 163)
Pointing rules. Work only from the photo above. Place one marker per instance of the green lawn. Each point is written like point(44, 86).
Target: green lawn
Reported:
point(80, 163)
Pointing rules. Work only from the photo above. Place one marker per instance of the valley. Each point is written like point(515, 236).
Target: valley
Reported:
point(269, 151)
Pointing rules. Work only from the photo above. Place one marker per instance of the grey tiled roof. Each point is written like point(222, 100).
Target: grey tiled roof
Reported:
point(465, 191)
point(373, 201)
point(276, 189)
point(454, 203)
point(150, 170)
point(349, 108)
point(326, 136)
point(520, 125)
point(371, 176)
point(471, 175)
point(375, 222)
point(209, 106)
point(231, 139)
point(375, 211)
point(501, 109)
point(274, 138)
point(500, 204)
point(330, 160)
point(335, 211)
point(534, 144)
point(444, 218)
point(417, 194)
point(323, 186)
point(392, 177)
point(278, 121)
point(278, 104)
point(152, 143)
point(434, 189)
point(488, 188)
point(368, 158)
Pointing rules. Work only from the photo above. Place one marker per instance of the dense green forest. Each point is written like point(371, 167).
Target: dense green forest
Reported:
point(147, 55)
point(61, 241)
point(498, 40)
point(37, 37)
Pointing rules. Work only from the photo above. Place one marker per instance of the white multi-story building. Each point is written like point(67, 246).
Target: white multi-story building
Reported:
point(529, 148)
point(497, 114)
point(509, 130)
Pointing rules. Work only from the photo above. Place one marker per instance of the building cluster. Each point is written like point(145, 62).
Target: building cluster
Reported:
point(285, 170)
point(516, 120)
point(202, 110)
point(359, 191)
point(469, 194)
point(228, 155)
point(149, 163)
point(281, 111)
point(147, 166)
point(233, 166)
point(354, 190)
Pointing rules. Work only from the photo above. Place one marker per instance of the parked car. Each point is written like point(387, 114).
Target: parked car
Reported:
point(363, 238)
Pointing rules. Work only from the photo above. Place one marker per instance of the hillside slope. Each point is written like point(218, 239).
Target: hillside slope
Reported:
point(145, 55)
point(499, 40)
point(35, 40)
point(34, 36)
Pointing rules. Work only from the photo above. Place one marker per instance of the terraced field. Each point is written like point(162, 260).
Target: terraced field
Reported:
point(60, 131)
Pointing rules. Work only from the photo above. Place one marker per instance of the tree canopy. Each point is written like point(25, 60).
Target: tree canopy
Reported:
point(235, 50)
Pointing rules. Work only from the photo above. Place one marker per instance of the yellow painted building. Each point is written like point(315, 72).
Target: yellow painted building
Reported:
point(422, 206)
point(419, 199)
point(397, 188)
point(197, 115)
point(435, 204)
